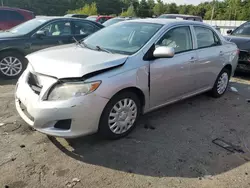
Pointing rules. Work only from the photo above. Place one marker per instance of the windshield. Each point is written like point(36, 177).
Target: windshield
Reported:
point(27, 27)
point(112, 21)
point(124, 37)
point(92, 18)
point(242, 30)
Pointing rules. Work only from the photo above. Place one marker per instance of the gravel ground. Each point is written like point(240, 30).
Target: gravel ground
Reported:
point(171, 147)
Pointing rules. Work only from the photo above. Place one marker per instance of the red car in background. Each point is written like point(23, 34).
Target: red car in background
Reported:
point(10, 17)
point(99, 19)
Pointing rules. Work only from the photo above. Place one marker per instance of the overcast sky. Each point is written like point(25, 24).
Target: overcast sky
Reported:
point(179, 2)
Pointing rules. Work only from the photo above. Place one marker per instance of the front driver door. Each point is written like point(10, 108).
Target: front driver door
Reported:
point(56, 33)
point(170, 77)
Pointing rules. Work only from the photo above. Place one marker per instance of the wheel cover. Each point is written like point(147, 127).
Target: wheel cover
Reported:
point(222, 83)
point(122, 116)
point(11, 66)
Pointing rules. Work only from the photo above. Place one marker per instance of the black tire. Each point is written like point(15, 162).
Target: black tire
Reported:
point(16, 55)
point(214, 92)
point(104, 129)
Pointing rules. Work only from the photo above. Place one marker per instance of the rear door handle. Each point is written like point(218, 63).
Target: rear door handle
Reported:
point(221, 53)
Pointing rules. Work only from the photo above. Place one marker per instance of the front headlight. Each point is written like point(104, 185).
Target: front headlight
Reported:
point(72, 89)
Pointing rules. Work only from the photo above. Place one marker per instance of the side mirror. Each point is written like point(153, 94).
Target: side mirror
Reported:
point(164, 52)
point(40, 34)
point(229, 32)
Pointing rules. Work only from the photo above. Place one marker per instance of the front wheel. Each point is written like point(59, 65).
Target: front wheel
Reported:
point(11, 65)
point(221, 83)
point(120, 116)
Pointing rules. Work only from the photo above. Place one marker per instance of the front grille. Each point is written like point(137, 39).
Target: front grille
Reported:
point(34, 83)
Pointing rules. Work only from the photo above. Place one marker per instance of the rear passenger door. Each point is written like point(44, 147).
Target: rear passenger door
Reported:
point(82, 29)
point(210, 56)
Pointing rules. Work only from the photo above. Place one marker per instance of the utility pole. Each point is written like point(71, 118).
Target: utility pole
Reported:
point(2, 2)
point(212, 15)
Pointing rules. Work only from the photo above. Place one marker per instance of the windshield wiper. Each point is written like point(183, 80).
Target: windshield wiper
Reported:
point(77, 42)
point(103, 49)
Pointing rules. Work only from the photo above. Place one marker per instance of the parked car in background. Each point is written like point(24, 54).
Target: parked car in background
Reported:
point(120, 72)
point(182, 17)
point(116, 20)
point(37, 34)
point(10, 17)
point(76, 15)
point(241, 37)
point(100, 19)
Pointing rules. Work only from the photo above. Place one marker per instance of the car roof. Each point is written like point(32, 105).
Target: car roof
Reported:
point(15, 9)
point(48, 18)
point(166, 21)
point(182, 15)
point(59, 18)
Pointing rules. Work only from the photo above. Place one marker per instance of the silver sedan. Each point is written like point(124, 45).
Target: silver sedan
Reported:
point(105, 82)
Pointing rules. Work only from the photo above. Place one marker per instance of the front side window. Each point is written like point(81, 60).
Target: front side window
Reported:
point(84, 28)
point(206, 37)
point(242, 30)
point(60, 28)
point(178, 38)
point(124, 37)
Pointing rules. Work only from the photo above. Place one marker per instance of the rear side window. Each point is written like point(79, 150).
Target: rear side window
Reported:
point(206, 37)
point(8, 15)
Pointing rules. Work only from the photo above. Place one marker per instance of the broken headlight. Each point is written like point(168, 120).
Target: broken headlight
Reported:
point(69, 90)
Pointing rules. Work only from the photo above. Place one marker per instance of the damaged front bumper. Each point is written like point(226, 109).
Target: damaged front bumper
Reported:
point(71, 118)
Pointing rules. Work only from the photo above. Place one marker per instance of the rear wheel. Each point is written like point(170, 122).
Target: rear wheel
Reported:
point(221, 83)
point(12, 65)
point(120, 116)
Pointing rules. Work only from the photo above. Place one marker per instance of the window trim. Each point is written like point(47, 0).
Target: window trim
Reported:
point(54, 21)
point(214, 35)
point(178, 26)
point(73, 27)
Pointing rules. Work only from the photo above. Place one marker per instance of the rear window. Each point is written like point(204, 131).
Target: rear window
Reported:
point(9, 15)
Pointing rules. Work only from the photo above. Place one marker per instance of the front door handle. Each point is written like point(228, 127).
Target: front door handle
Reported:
point(192, 60)
point(221, 53)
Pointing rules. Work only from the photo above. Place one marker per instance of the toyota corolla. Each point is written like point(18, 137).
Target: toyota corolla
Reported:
point(105, 82)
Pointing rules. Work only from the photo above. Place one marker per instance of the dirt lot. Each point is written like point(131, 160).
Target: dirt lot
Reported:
point(171, 147)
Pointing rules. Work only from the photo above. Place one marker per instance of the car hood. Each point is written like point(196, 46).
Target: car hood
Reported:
point(241, 41)
point(72, 61)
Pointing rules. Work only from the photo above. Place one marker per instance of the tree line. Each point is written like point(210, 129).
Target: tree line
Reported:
point(217, 10)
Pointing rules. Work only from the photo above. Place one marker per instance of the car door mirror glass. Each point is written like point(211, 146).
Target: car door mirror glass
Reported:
point(164, 52)
point(40, 34)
